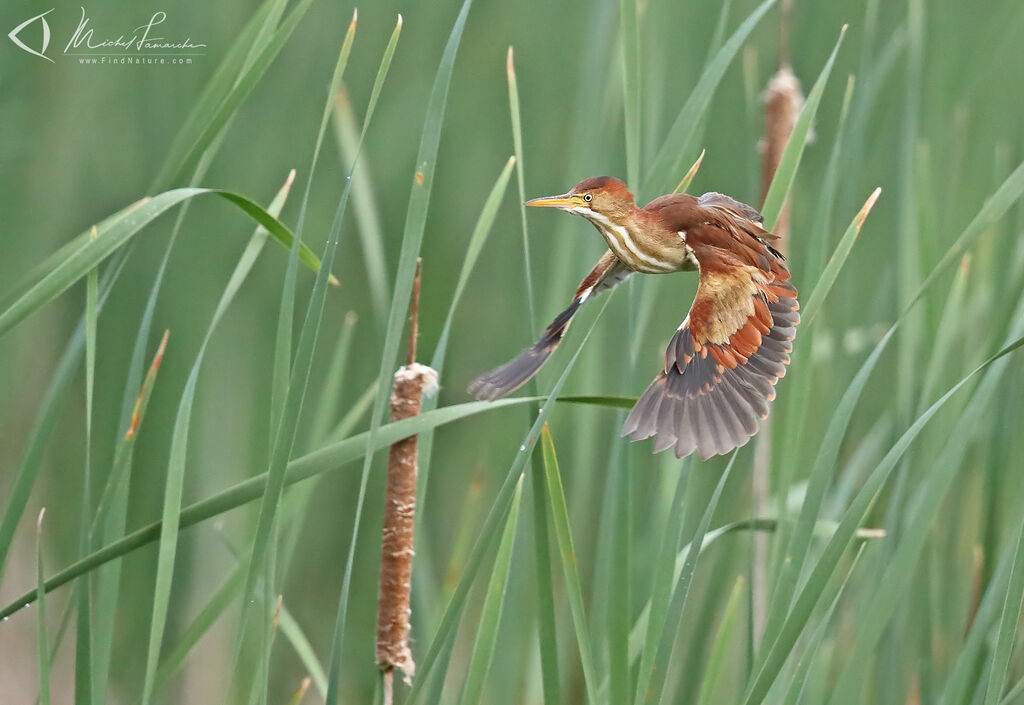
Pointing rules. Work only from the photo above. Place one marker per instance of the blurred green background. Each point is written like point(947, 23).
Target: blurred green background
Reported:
point(80, 142)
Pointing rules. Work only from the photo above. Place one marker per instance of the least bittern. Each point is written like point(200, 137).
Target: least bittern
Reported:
point(722, 364)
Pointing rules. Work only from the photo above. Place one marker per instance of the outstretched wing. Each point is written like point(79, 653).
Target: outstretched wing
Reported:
point(723, 361)
point(504, 380)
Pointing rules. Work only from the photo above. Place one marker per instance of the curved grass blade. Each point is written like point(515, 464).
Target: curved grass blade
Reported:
point(324, 460)
point(494, 600)
point(179, 452)
point(782, 182)
point(570, 569)
point(678, 141)
point(120, 231)
point(303, 649)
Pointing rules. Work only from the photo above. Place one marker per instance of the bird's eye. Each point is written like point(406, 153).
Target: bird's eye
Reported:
point(588, 198)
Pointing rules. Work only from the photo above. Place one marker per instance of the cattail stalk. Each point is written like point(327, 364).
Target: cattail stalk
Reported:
point(783, 103)
point(411, 382)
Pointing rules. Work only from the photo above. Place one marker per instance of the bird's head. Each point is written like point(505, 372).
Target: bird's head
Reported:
point(600, 195)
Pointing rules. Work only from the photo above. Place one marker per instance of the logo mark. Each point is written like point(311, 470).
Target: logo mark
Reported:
point(13, 34)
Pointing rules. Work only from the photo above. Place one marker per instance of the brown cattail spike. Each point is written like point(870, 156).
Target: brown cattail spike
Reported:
point(783, 102)
point(411, 382)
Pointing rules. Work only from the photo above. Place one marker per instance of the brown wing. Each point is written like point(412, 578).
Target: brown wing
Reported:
point(504, 380)
point(724, 360)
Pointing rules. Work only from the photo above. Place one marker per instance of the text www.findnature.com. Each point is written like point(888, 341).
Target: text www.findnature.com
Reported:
point(136, 60)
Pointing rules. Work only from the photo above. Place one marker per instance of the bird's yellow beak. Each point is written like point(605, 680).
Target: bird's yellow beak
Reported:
point(564, 201)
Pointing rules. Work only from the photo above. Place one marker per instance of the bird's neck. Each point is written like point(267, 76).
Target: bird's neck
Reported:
point(628, 235)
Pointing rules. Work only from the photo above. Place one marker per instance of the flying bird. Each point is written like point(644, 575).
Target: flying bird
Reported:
point(723, 361)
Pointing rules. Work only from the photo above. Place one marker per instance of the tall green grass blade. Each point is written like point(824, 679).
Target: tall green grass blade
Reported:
point(517, 144)
point(993, 209)
point(678, 142)
point(187, 155)
point(283, 342)
point(43, 650)
point(831, 271)
point(785, 173)
point(921, 515)
point(570, 567)
point(808, 596)
point(817, 243)
point(654, 692)
point(712, 683)
point(415, 223)
point(364, 206)
point(1005, 636)
point(494, 601)
point(619, 574)
point(1006, 195)
point(119, 232)
point(84, 692)
point(547, 632)
point(236, 65)
point(301, 371)
point(108, 524)
point(179, 452)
